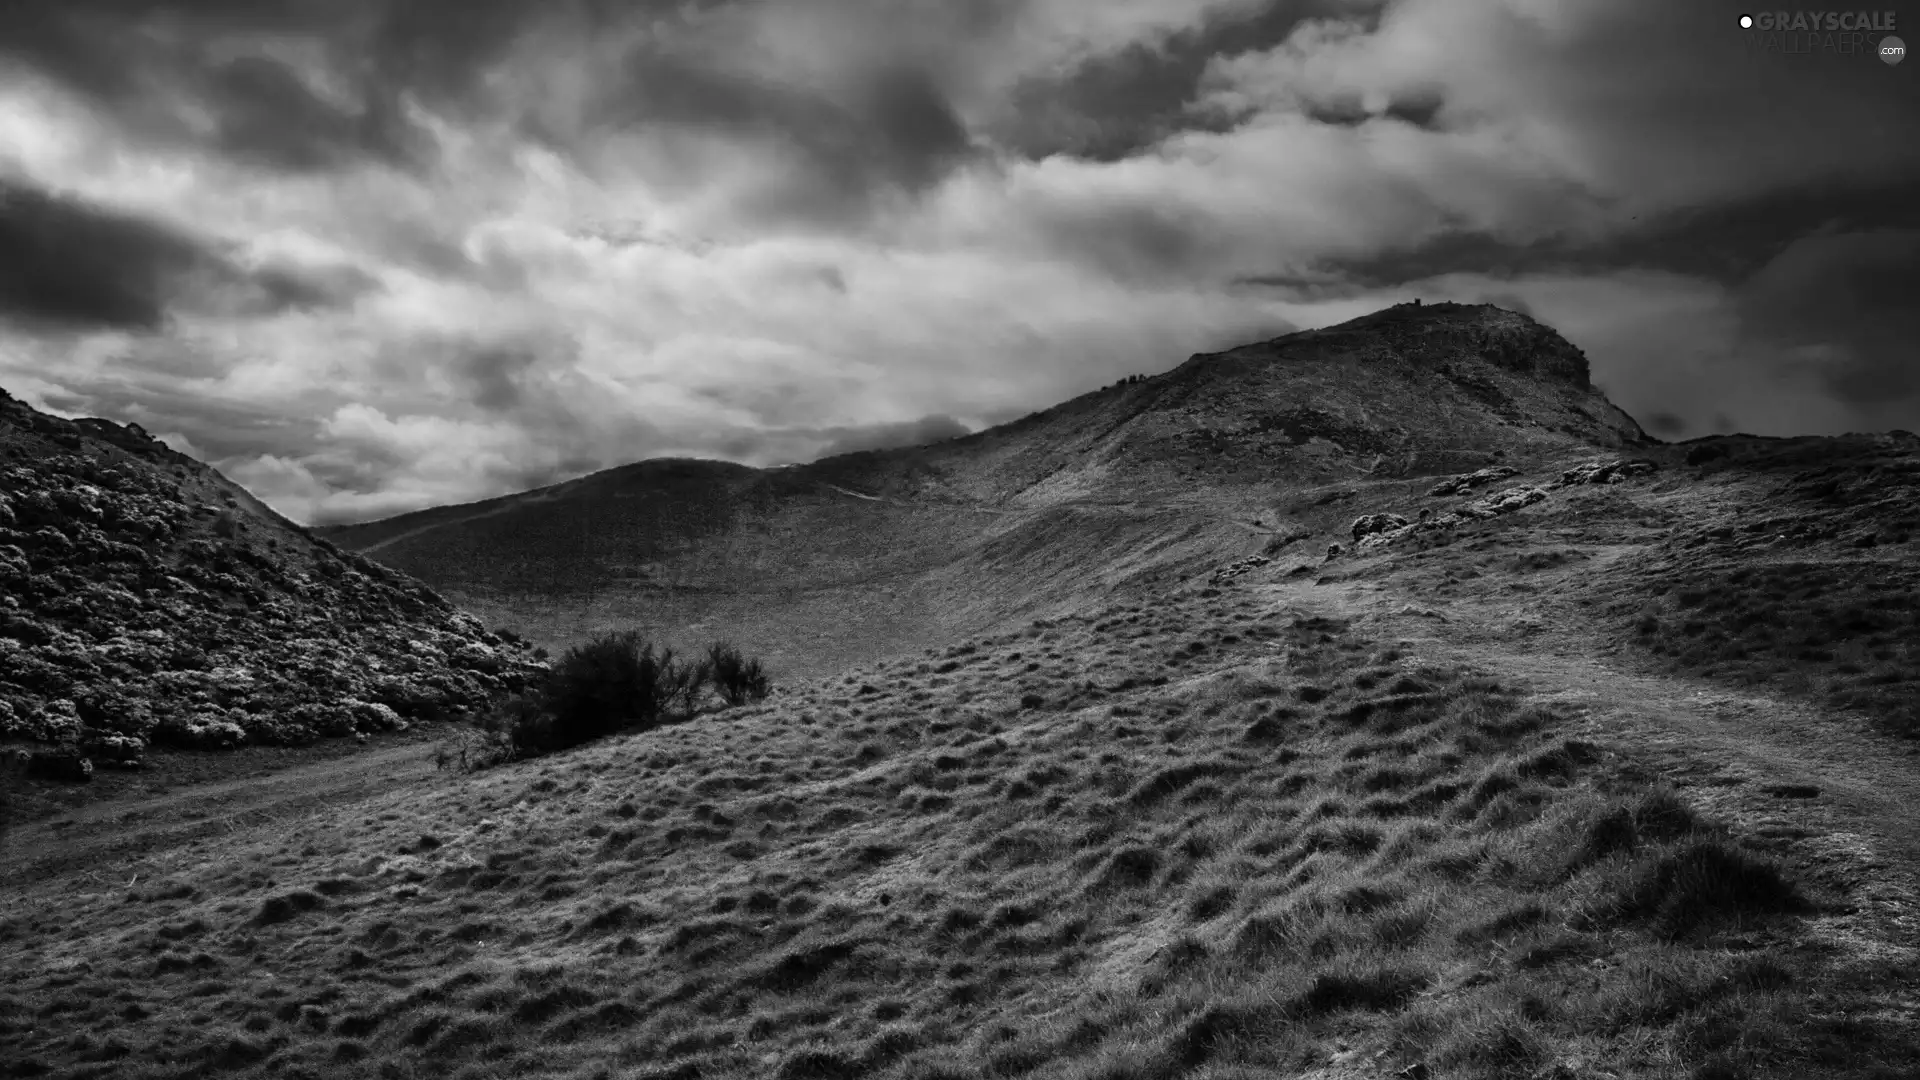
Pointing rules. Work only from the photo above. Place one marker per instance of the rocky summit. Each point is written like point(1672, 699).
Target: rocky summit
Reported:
point(145, 598)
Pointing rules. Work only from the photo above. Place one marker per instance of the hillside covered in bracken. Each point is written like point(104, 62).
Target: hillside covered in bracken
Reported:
point(147, 601)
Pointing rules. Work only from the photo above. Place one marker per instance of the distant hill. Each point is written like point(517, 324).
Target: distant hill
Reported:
point(1141, 481)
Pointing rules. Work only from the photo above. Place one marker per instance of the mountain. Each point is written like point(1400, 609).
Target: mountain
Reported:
point(149, 600)
point(1443, 727)
point(817, 565)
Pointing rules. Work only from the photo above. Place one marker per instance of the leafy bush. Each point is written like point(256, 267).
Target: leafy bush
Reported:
point(736, 679)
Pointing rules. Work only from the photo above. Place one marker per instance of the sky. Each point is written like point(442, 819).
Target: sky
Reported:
point(369, 256)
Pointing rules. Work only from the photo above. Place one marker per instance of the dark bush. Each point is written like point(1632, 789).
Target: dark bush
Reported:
point(736, 679)
point(681, 682)
point(613, 682)
point(616, 682)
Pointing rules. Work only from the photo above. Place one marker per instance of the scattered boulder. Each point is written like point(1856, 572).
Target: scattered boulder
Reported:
point(1502, 502)
point(1369, 524)
point(1228, 573)
point(1460, 485)
point(1605, 472)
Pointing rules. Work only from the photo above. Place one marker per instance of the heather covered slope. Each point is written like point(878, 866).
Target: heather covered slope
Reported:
point(147, 599)
point(1134, 483)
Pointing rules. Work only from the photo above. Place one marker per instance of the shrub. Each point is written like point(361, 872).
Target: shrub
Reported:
point(616, 682)
point(610, 683)
point(736, 679)
point(682, 682)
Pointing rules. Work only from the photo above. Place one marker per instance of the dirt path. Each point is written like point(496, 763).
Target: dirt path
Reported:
point(1846, 796)
point(121, 836)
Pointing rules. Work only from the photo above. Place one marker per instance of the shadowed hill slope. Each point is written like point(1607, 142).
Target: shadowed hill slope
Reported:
point(1137, 482)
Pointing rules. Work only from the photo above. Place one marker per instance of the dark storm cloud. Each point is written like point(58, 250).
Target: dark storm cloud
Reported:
point(494, 372)
point(894, 128)
point(1119, 103)
point(67, 264)
point(1844, 302)
point(279, 288)
point(138, 59)
point(150, 63)
point(269, 116)
point(498, 374)
point(1726, 243)
point(927, 429)
point(1419, 110)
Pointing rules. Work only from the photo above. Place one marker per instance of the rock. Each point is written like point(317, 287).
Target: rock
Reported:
point(67, 765)
point(1605, 472)
point(1369, 524)
point(1460, 485)
point(1333, 550)
point(1227, 573)
point(1503, 502)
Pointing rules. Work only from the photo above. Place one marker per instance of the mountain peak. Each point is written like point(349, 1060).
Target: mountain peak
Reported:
point(1447, 333)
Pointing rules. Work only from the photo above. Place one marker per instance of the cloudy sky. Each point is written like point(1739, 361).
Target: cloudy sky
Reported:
point(372, 255)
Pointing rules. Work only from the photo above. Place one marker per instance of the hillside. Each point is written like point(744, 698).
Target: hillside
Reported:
point(1264, 832)
point(1524, 747)
point(152, 609)
point(816, 566)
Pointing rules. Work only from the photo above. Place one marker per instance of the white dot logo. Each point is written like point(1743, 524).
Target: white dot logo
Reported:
point(1746, 22)
point(1892, 49)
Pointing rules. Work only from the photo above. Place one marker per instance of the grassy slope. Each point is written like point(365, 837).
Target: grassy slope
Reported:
point(1213, 836)
point(1022, 854)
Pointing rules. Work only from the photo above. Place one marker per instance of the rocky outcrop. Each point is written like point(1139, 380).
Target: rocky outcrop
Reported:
point(1376, 523)
point(1234, 570)
point(1460, 485)
point(144, 599)
point(1605, 472)
point(1502, 502)
point(1379, 530)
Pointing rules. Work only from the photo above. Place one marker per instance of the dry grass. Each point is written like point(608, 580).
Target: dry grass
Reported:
point(1193, 839)
point(1846, 632)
